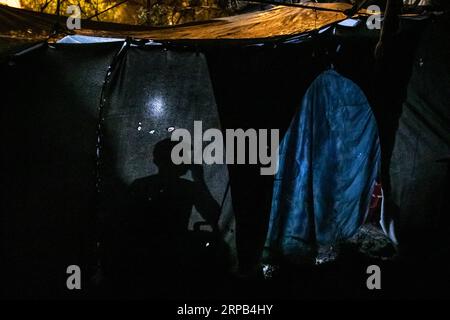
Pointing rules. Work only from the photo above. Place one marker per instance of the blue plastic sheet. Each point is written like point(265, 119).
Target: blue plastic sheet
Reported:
point(87, 39)
point(329, 161)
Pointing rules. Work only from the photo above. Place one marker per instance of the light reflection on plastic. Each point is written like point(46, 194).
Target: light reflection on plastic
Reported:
point(155, 106)
point(349, 23)
point(323, 30)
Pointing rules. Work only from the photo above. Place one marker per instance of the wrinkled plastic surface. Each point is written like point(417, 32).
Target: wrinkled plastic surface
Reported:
point(329, 160)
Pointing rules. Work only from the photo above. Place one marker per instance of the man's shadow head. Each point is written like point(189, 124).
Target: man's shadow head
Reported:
point(163, 160)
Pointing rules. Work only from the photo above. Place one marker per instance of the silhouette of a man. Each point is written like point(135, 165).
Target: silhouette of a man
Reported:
point(163, 204)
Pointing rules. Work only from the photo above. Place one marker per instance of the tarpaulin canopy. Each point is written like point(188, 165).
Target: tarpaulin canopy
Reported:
point(277, 21)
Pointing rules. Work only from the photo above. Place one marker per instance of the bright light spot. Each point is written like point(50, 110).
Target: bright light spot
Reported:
point(155, 106)
point(11, 3)
point(349, 23)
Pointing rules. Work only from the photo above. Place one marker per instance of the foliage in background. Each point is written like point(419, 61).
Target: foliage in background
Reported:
point(172, 12)
point(147, 12)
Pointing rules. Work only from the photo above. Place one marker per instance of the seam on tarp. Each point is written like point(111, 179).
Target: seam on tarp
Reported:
point(99, 144)
point(101, 108)
point(30, 48)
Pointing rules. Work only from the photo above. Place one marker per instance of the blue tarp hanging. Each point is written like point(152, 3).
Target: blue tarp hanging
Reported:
point(87, 39)
point(329, 160)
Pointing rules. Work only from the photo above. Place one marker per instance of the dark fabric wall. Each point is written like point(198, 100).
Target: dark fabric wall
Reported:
point(421, 154)
point(49, 122)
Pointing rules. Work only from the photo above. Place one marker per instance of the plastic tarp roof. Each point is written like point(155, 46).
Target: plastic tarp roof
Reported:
point(277, 21)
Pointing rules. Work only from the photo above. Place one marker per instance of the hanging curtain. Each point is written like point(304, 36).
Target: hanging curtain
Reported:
point(329, 160)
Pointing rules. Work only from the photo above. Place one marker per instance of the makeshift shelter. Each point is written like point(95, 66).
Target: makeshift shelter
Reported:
point(80, 122)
